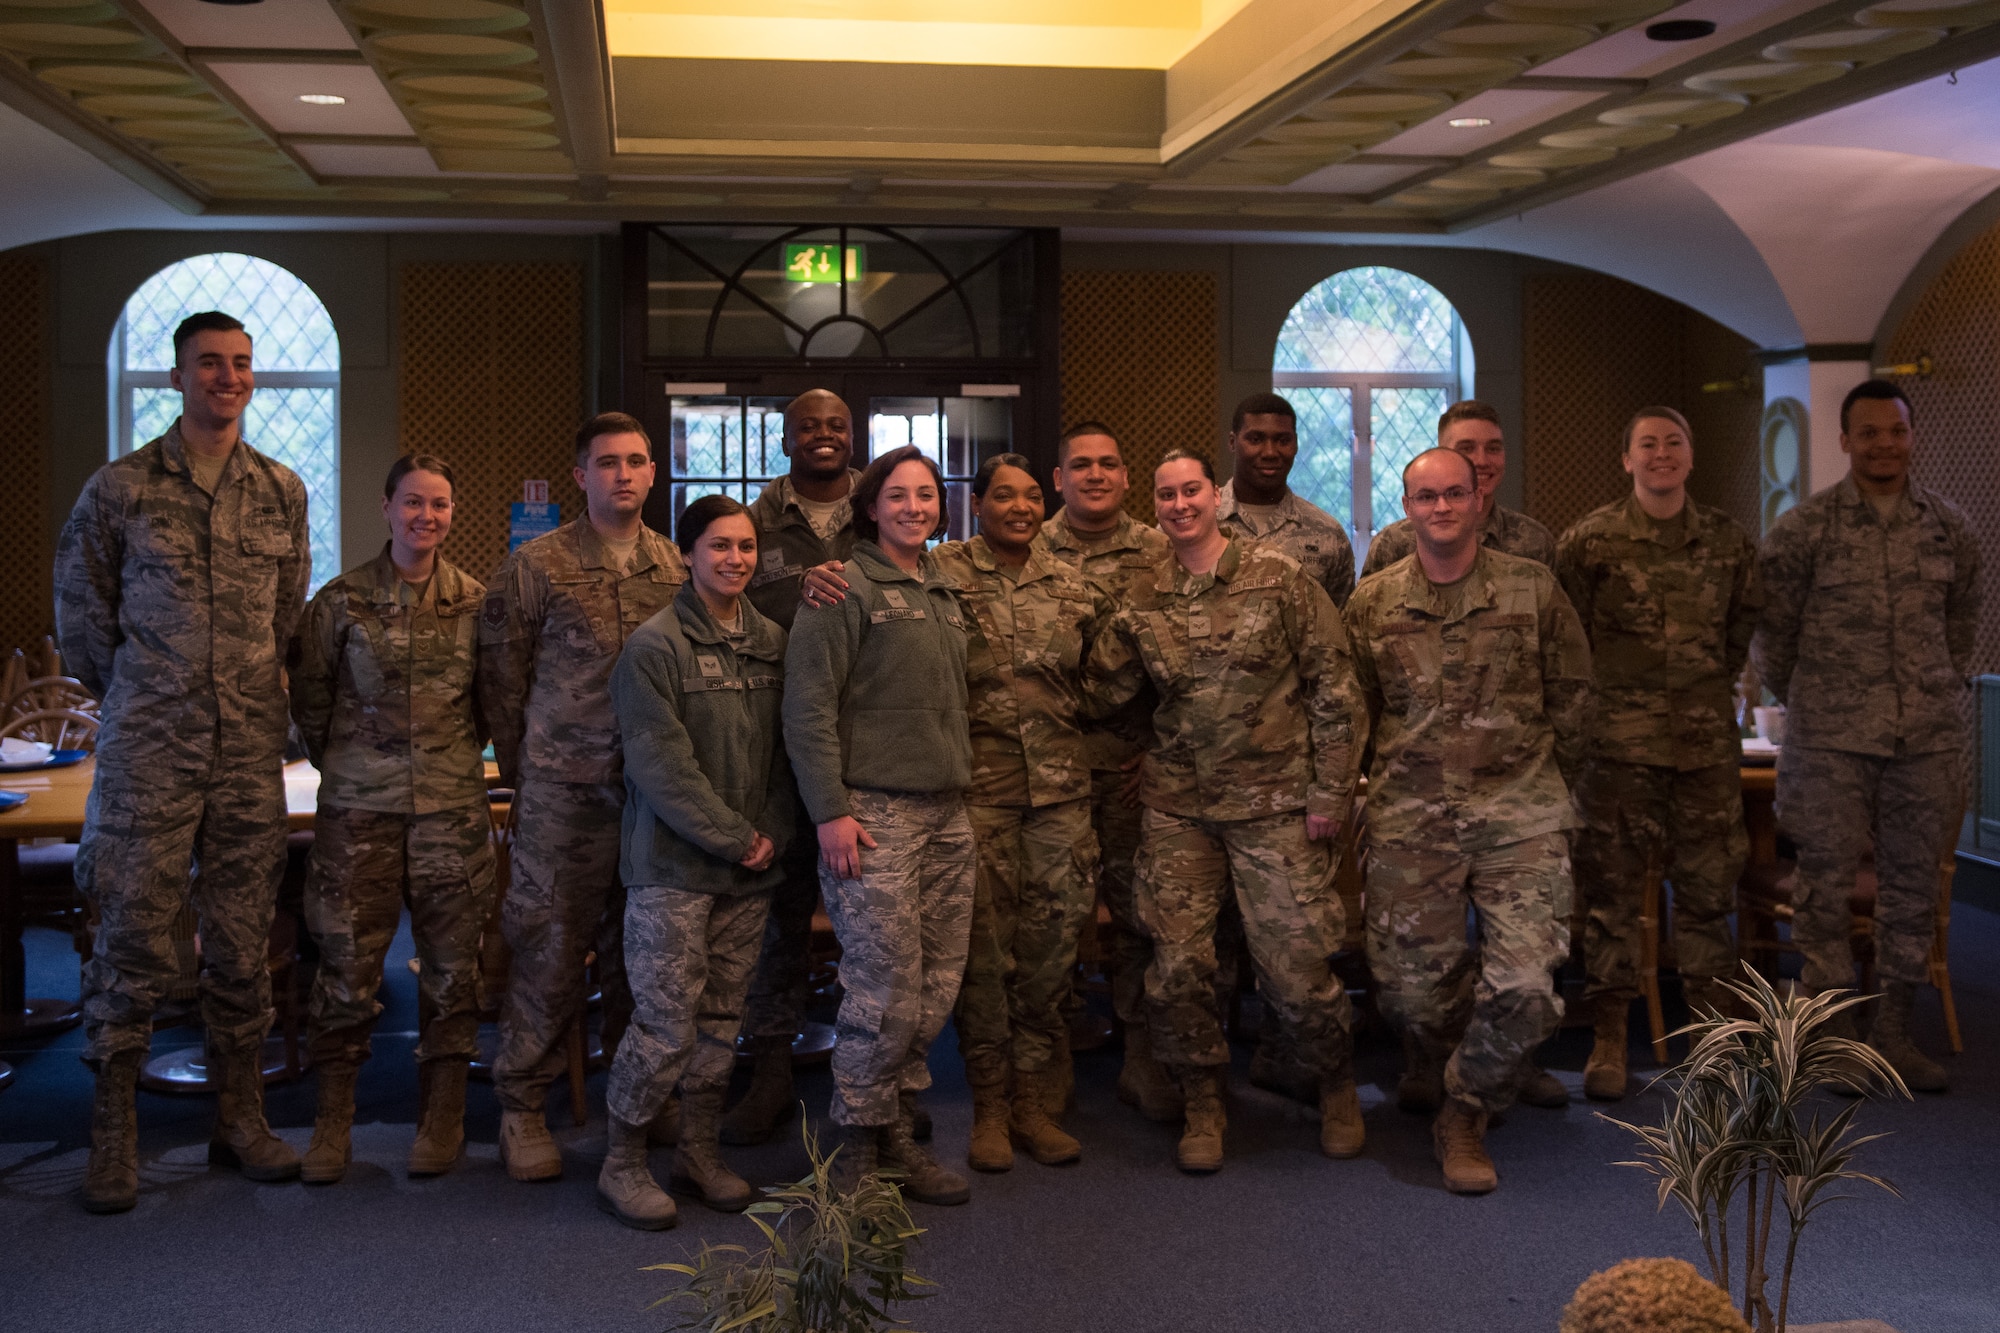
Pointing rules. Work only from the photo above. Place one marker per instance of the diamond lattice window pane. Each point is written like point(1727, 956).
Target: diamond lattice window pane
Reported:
point(288, 325)
point(299, 428)
point(1405, 424)
point(1376, 319)
point(1324, 470)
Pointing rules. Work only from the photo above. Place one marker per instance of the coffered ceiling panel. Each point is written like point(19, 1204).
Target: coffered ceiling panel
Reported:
point(299, 99)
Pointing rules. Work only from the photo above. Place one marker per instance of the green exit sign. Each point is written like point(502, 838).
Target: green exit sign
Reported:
point(821, 263)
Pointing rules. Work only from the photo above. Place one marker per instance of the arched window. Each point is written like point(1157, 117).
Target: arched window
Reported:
point(1370, 358)
point(294, 415)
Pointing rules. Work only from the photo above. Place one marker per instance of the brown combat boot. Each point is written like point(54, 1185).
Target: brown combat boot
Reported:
point(1034, 1126)
point(1200, 1149)
point(1059, 1093)
point(698, 1167)
point(440, 1117)
point(770, 1099)
point(665, 1131)
point(858, 1154)
point(332, 1148)
point(1458, 1141)
point(1604, 1076)
point(1541, 1088)
point(111, 1181)
point(1420, 1090)
point(242, 1138)
point(1708, 998)
point(924, 1179)
point(1143, 1082)
point(1341, 1133)
point(991, 1147)
point(625, 1185)
point(1890, 1037)
point(527, 1149)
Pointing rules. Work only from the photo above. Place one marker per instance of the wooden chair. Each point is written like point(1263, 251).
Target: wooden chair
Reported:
point(49, 692)
point(58, 728)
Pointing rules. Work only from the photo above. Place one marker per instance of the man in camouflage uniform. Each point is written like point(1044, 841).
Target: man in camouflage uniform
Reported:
point(1250, 777)
point(1667, 593)
point(803, 520)
point(1258, 503)
point(179, 577)
point(1093, 533)
point(1472, 428)
point(1871, 606)
point(557, 614)
point(1477, 677)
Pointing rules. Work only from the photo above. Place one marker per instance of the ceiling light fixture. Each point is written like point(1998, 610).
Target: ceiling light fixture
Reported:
point(1681, 30)
point(1470, 122)
point(323, 99)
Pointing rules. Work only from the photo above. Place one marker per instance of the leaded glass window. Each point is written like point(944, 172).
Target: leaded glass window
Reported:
point(294, 413)
point(1369, 358)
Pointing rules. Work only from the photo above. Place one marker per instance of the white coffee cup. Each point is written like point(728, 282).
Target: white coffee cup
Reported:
point(1770, 724)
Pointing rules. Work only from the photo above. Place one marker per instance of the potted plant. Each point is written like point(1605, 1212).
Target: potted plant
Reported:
point(1737, 1122)
point(835, 1260)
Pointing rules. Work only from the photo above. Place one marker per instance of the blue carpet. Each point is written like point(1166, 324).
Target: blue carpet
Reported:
point(1281, 1239)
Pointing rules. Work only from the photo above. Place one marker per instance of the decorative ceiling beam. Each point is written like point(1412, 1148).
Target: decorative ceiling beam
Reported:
point(578, 71)
point(53, 112)
point(258, 55)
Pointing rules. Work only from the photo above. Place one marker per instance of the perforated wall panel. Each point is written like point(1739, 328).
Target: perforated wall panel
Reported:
point(27, 547)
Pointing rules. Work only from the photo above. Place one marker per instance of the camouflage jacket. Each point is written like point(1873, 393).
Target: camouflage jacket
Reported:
point(556, 618)
point(382, 691)
point(702, 719)
point(1669, 629)
point(1506, 529)
point(1303, 531)
point(1868, 626)
point(1258, 713)
point(1478, 697)
point(1114, 562)
point(1026, 639)
point(175, 608)
point(787, 547)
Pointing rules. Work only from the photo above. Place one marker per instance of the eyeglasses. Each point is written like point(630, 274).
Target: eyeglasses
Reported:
point(1456, 497)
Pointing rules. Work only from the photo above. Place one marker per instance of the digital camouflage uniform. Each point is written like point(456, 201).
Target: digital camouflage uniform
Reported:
point(787, 547)
point(383, 694)
point(1114, 562)
point(1478, 693)
point(700, 712)
point(1669, 608)
point(1027, 631)
point(556, 618)
point(1867, 637)
point(174, 608)
point(875, 723)
point(1302, 530)
point(1258, 726)
point(1505, 529)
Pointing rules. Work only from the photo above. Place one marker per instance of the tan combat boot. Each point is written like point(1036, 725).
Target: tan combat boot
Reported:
point(625, 1186)
point(111, 1181)
point(1458, 1141)
point(857, 1154)
point(924, 1179)
point(1420, 1090)
point(1541, 1088)
point(665, 1131)
point(242, 1138)
point(1059, 1092)
point(1143, 1082)
point(1341, 1133)
point(770, 1099)
point(527, 1149)
point(332, 1148)
point(991, 1147)
point(1200, 1149)
point(440, 1118)
point(698, 1167)
point(1708, 998)
point(1891, 1039)
point(1604, 1074)
point(1034, 1126)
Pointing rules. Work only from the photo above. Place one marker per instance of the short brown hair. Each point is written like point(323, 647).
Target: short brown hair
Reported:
point(609, 423)
point(1177, 454)
point(1077, 432)
point(875, 476)
point(205, 321)
point(409, 463)
point(1467, 409)
point(1663, 414)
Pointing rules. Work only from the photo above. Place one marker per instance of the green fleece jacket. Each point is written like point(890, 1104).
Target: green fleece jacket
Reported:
point(705, 770)
point(875, 694)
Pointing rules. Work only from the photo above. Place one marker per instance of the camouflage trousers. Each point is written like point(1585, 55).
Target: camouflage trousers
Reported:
point(152, 842)
point(365, 865)
point(778, 990)
point(1116, 821)
point(1485, 1006)
point(1032, 892)
point(1685, 826)
point(1292, 922)
point(1834, 804)
point(903, 926)
point(689, 957)
point(565, 901)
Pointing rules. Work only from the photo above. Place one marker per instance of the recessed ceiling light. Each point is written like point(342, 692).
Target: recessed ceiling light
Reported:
point(323, 99)
point(1681, 30)
point(1470, 122)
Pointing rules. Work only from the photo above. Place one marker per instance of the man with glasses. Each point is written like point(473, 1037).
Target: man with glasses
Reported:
point(1472, 428)
point(1477, 679)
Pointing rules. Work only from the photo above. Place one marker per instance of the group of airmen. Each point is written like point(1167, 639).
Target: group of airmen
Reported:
point(961, 749)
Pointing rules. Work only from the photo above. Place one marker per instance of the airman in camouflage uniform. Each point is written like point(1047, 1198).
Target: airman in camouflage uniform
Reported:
point(1303, 531)
point(382, 693)
point(1669, 606)
point(179, 580)
point(1871, 610)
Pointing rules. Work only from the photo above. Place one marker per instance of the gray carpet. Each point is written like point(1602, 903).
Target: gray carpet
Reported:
point(1281, 1239)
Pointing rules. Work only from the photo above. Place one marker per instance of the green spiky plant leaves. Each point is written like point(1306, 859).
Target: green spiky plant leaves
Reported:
point(1737, 1122)
point(835, 1260)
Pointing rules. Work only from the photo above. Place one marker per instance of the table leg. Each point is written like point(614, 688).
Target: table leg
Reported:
point(19, 1015)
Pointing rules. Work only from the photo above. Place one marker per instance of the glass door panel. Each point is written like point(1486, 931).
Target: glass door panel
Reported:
point(955, 433)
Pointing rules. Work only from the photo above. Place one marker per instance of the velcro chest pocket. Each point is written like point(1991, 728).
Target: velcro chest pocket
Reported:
point(265, 531)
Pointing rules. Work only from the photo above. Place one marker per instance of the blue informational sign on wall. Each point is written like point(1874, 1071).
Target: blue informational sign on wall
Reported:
point(530, 521)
